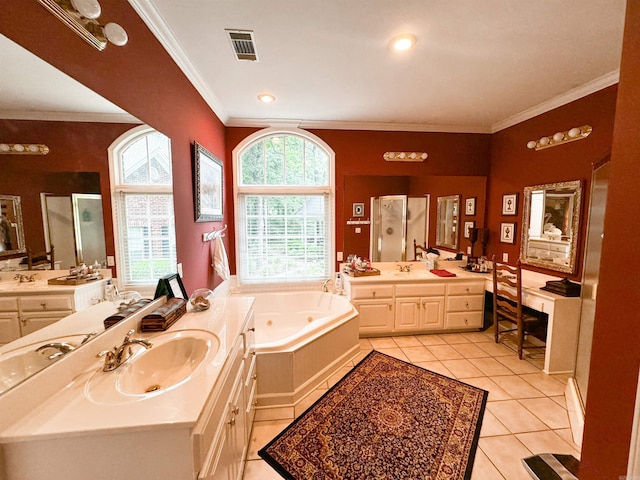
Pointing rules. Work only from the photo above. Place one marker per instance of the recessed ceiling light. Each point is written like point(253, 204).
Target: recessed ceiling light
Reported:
point(403, 42)
point(266, 98)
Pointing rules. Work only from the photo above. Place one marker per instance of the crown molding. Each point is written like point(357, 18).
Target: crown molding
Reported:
point(156, 23)
point(588, 88)
point(89, 117)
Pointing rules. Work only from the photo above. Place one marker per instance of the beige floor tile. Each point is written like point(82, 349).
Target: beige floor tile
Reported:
point(517, 387)
point(454, 338)
point(516, 365)
point(490, 366)
point(546, 442)
point(462, 368)
point(436, 367)
point(494, 349)
point(515, 417)
point(491, 426)
point(394, 352)
point(365, 344)
point(552, 414)
point(483, 469)
point(263, 433)
point(469, 350)
point(444, 352)
point(431, 339)
point(309, 400)
point(478, 337)
point(545, 383)
point(560, 400)
point(418, 354)
point(495, 392)
point(259, 470)
point(407, 341)
point(278, 413)
point(382, 342)
point(506, 453)
point(567, 436)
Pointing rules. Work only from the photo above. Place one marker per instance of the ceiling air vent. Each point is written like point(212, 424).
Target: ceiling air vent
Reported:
point(243, 44)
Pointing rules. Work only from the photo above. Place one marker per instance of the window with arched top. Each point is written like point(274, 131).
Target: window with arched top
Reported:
point(142, 199)
point(284, 190)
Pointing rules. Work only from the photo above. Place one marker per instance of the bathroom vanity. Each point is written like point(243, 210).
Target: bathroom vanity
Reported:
point(181, 409)
point(28, 306)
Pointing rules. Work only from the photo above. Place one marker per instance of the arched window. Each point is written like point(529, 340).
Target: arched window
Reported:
point(284, 190)
point(142, 199)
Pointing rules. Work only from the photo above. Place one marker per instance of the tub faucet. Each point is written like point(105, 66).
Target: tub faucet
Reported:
point(116, 357)
point(325, 288)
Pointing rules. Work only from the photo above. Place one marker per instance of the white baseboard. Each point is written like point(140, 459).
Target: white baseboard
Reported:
point(574, 408)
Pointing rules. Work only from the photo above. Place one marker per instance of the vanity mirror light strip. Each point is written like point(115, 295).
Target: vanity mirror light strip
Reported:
point(559, 138)
point(23, 149)
point(405, 156)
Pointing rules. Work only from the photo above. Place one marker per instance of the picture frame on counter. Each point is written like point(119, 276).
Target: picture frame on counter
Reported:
point(470, 206)
point(171, 285)
point(508, 233)
point(510, 204)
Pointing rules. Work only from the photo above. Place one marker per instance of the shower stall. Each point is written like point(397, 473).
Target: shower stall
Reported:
point(396, 221)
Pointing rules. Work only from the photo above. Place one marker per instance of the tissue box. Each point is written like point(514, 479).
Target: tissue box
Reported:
point(431, 264)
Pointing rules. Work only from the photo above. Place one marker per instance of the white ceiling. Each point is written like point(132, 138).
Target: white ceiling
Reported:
point(478, 65)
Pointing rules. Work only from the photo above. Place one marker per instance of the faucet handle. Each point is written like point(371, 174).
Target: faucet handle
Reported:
point(127, 337)
point(108, 353)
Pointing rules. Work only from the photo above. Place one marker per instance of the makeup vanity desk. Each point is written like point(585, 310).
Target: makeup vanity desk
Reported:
point(563, 313)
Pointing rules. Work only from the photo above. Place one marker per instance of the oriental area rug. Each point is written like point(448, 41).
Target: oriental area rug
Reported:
point(385, 419)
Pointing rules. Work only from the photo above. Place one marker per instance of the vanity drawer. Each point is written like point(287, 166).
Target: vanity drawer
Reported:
point(465, 304)
point(465, 288)
point(45, 303)
point(463, 320)
point(371, 291)
point(421, 290)
point(8, 304)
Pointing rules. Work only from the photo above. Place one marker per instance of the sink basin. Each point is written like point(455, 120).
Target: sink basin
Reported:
point(172, 360)
point(22, 362)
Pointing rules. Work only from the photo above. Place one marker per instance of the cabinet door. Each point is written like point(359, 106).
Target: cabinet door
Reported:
point(431, 313)
point(9, 327)
point(407, 314)
point(376, 316)
point(30, 322)
point(237, 432)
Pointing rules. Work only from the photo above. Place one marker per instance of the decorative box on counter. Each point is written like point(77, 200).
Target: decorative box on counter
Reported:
point(165, 316)
point(564, 287)
point(125, 311)
point(352, 272)
point(74, 279)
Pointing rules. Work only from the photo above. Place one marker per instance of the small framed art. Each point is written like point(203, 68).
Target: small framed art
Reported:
point(510, 204)
point(358, 209)
point(208, 181)
point(171, 286)
point(470, 206)
point(508, 232)
point(467, 227)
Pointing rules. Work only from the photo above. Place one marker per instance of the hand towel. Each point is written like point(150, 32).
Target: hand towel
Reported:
point(443, 273)
point(219, 260)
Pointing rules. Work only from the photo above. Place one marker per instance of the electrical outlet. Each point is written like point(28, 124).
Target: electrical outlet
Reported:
point(180, 269)
point(468, 250)
point(505, 257)
point(358, 230)
point(339, 257)
point(111, 261)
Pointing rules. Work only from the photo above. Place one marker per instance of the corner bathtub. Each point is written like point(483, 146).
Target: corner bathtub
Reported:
point(302, 338)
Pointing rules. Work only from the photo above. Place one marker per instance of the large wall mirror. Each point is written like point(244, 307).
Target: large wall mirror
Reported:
point(447, 222)
point(551, 222)
point(11, 227)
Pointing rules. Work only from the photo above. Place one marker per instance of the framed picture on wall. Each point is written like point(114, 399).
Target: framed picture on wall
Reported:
point(470, 206)
point(510, 204)
point(508, 232)
point(208, 181)
point(358, 209)
point(467, 226)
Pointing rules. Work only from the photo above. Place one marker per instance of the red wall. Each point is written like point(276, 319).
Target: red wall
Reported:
point(142, 79)
point(615, 356)
point(514, 166)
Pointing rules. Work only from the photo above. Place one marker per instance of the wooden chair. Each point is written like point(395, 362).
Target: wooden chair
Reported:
point(418, 249)
point(41, 259)
point(507, 305)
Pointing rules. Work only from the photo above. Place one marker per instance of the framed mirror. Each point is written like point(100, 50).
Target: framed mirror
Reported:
point(11, 227)
point(447, 221)
point(551, 222)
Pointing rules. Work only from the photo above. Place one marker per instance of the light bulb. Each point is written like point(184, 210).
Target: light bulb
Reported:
point(87, 8)
point(402, 155)
point(391, 155)
point(558, 137)
point(413, 155)
point(18, 147)
point(115, 34)
point(424, 156)
point(33, 148)
point(4, 147)
point(544, 141)
point(531, 144)
point(403, 42)
point(574, 132)
point(266, 98)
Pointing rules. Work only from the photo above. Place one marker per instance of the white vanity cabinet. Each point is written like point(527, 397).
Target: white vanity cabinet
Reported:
point(375, 305)
point(465, 305)
point(9, 319)
point(419, 307)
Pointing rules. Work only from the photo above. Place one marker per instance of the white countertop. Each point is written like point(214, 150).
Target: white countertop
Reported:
point(71, 412)
point(11, 287)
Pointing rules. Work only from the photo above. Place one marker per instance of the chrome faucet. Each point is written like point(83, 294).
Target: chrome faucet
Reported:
point(24, 278)
point(116, 357)
point(61, 347)
point(325, 289)
point(405, 268)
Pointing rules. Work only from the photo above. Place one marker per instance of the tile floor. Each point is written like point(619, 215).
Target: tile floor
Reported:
point(526, 412)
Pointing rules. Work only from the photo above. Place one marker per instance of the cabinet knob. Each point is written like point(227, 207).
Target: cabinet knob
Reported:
point(232, 422)
point(466, 304)
point(374, 294)
point(235, 411)
point(43, 305)
point(252, 329)
point(466, 322)
point(24, 321)
point(255, 376)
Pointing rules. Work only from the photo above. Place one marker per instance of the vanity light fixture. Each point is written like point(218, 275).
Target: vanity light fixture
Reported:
point(404, 42)
point(81, 17)
point(576, 133)
point(23, 149)
point(405, 156)
point(266, 98)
